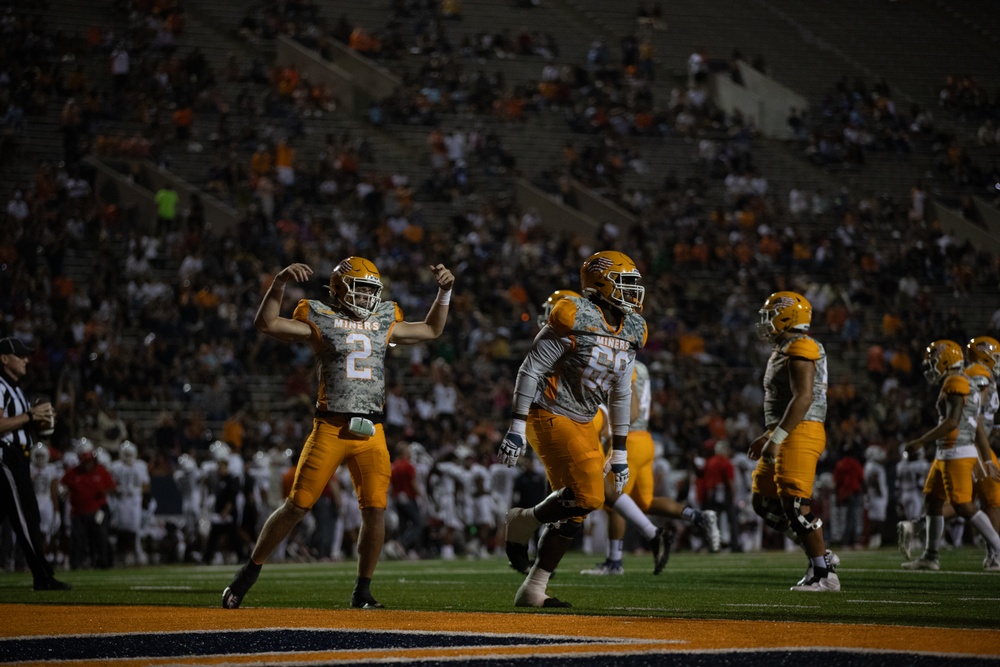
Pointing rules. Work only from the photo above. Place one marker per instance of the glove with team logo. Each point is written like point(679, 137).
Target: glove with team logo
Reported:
point(618, 464)
point(513, 444)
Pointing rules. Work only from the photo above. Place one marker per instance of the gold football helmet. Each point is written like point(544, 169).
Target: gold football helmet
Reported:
point(612, 275)
point(784, 311)
point(986, 351)
point(551, 302)
point(940, 357)
point(357, 285)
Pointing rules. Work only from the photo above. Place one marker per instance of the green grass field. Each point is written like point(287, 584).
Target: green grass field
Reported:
point(726, 586)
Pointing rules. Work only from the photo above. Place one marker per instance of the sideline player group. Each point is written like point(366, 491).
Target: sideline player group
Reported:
point(581, 379)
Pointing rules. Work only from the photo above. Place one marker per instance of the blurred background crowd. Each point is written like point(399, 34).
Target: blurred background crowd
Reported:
point(141, 323)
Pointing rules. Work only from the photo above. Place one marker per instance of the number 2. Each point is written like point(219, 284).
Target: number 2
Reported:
point(354, 357)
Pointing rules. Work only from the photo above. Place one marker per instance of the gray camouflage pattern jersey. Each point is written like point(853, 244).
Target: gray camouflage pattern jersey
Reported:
point(350, 355)
point(778, 385)
point(599, 359)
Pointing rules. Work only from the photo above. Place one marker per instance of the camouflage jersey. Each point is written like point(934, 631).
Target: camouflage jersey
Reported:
point(350, 355)
point(960, 443)
point(778, 384)
point(598, 358)
point(982, 379)
point(642, 387)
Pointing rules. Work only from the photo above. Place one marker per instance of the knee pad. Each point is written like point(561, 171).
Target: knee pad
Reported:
point(568, 529)
point(567, 501)
point(771, 511)
point(802, 524)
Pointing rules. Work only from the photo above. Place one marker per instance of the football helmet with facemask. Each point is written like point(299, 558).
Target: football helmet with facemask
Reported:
point(613, 276)
point(986, 351)
point(940, 357)
point(128, 452)
point(357, 286)
point(782, 312)
point(40, 455)
point(551, 302)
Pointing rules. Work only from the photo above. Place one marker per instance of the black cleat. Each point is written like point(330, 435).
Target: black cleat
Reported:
point(660, 546)
point(365, 601)
point(52, 584)
point(245, 577)
point(556, 603)
point(231, 600)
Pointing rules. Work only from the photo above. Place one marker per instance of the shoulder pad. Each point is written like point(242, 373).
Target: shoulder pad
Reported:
point(803, 347)
point(563, 316)
point(302, 311)
point(957, 384)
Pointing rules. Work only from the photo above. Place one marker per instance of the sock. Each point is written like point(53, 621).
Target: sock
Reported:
point(982, 522)
point(627, 508)
point(537, 581)
point(615, 549)
point(689, 514)
point(819, 567)
point(245, 578)
point(362, 586)
point(588, 544)
point(935, 529)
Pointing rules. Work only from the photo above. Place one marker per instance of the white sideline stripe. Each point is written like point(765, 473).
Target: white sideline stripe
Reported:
point(897, 602)
point(773, 606)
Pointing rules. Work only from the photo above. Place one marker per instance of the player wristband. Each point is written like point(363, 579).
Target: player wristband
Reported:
point(518, 426)
point(444, 296)
point(778, 435)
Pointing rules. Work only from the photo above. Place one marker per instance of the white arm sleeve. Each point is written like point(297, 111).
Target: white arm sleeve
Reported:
point(620, 402)
point(540, 362)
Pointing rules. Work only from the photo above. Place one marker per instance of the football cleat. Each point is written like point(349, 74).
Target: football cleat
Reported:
point(828, 584)
point(832, 561)
point(521, 525)
point(904, 536)
point(608, 567)
point(708, 521)
point(245, 577)
point(51, 584)
point(992, 563)
point(923, 563)
point(231, 600)
point(660, 547)
point(365, 601)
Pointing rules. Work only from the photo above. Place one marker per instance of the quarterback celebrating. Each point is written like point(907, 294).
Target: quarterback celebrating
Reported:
point(794, 411)
point(349, 336)
point(583, 357)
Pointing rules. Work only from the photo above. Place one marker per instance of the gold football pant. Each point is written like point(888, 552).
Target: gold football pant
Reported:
point(794, 470)
point(328, 446)
point(572, 455)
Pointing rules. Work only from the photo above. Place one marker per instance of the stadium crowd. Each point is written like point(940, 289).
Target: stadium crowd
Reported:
point(166, 320)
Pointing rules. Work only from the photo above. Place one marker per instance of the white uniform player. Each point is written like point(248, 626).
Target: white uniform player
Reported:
point(45, 478)
point(876, 493)
point(131, 477)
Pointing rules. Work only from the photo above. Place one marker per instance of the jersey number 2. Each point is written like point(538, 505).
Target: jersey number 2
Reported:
point(354, 357)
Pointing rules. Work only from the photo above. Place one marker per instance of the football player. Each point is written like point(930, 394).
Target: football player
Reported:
point(349, 335)
point(637, 500)
point(982, 354)
point(584, 356)
point(876, 493)
point(795, 382)
point(961, 449)
point(132, 482)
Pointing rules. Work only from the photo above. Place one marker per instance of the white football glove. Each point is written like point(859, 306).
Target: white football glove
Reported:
point(618, 464)
point(513, 444)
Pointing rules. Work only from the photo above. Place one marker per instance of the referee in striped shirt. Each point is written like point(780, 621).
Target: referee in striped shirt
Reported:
point(19, 423)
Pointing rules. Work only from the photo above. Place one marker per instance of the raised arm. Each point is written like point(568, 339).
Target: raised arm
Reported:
point(268, 319)
point(417, 332)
